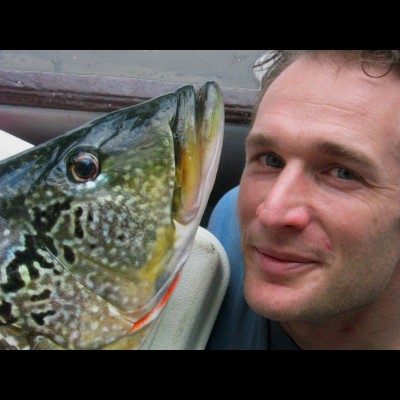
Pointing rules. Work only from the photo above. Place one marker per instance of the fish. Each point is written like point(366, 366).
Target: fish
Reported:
point(97, 224)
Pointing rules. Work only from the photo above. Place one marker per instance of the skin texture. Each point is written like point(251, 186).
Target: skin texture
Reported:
point(319, 206)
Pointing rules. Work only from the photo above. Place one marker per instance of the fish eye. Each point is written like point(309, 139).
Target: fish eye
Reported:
point(83, 167)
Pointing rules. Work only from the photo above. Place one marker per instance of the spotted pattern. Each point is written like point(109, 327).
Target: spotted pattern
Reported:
point(80, 261)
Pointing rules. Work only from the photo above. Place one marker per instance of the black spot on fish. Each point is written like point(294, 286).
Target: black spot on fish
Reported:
point(90, 216)
point(44, 220)
point(41, 296)
point(13, 285)
point(43, 263)
point(78, 230)
point(49, 244)
point(31, 254)
point(69, 254)
point(78, 227)
point(6, 316)
point(39, 317)
point(14, 278)
point(92, 246)
point(28, 258)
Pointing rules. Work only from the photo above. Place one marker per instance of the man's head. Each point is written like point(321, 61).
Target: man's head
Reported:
point(319, 201)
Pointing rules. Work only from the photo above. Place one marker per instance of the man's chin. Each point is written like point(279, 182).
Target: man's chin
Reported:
point(277, 302)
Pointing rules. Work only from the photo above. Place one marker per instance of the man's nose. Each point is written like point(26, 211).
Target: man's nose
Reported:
point(287, 203)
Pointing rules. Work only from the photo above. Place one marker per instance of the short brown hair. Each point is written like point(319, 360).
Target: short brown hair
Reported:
point(279, 60)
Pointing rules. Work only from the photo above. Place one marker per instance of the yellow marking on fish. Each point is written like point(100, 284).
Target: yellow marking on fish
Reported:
point(155, 267)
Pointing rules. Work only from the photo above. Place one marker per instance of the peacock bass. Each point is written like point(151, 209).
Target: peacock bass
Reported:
point(96, 224)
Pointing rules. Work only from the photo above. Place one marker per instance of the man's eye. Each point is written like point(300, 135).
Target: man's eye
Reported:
point(343, 173)
point(272, 160)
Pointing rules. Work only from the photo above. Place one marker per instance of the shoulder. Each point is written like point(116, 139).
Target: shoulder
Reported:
point(237, 326)
point(224, 220)
point(224, 225)
point(227, 204)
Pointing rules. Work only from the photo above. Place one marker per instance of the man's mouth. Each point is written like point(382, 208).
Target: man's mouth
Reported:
point(275, 262)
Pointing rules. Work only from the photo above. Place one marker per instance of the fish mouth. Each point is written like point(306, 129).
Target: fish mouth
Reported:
point(197, 132)
point(197, 142)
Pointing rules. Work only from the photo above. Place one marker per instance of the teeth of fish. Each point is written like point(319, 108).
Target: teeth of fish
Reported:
point(96, 224)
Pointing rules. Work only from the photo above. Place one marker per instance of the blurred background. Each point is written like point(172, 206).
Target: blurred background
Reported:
point(227, 67)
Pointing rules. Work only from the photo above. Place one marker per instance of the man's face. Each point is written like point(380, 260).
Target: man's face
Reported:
point(319, 202)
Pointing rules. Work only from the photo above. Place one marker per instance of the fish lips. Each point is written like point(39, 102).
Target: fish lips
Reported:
point(198, 135)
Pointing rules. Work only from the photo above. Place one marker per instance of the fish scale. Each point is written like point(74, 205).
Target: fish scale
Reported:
point(92, 228)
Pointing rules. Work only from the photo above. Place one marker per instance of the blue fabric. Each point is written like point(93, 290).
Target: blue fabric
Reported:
point(237, 326)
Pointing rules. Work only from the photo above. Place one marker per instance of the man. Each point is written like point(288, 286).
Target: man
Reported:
point(314, 245)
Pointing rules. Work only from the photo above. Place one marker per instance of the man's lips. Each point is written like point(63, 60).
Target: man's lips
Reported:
point(281, 263)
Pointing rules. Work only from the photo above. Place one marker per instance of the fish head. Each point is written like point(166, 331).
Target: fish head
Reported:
point(107, 213)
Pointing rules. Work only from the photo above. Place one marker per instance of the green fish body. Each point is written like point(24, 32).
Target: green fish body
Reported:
point(95, 225)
